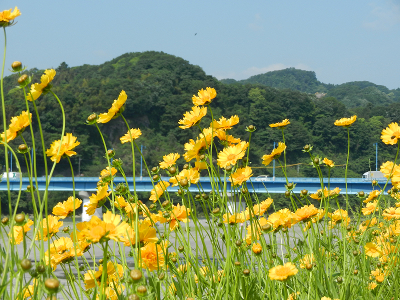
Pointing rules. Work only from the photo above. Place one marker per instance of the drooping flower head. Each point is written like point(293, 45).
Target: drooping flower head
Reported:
point(115, 108)
point(38, 88)
point(280, 125)
point(391, 134)
point(158, 190)
point(346, 122)
point(97, 199)
point(204, 97)
point(267, 158)
point(68, 143)
point(135, 133)
point(17, 125)
point(193, 117)
point(7, 16)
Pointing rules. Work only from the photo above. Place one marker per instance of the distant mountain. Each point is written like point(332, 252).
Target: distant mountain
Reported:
point(352, 94)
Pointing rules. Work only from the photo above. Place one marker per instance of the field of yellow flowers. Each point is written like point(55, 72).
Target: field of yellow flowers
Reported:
point(253, 252)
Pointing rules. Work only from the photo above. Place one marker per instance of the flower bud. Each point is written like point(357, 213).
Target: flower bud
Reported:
point(5, 221)
point(181, 248)
point(52, 284)
point(136, 275)
point(26, 264)
point(16, 66)
point(154, 170)
point(20, 219)
point(91, 119)
point(110, 153)
point(361, 194)
point(185, 166)
point(246, 272)
point(117, 163)
point(374, 182)
point(287, 194)
point(237, 263)
point(251, 128)
point(133, 297)
point(216, 211)
point(304, 192)
point(172, 171)
point(184, 182)
point(22, 79)
point(316, 161)
point(156, 177)
point(23, 149)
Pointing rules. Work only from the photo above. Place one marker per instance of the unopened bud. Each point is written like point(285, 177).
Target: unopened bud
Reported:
point(16, 66)
point(22, 78)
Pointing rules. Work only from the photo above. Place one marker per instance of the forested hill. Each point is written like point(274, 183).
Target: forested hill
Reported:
point(160, 87)
point(352, 94)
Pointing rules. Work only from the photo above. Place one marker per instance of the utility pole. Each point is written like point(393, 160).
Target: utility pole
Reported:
point(376, 156)
point(141, 161)
point(79, 166)
point(273, 170)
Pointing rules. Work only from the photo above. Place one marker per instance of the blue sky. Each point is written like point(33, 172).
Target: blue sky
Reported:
point(340, 40)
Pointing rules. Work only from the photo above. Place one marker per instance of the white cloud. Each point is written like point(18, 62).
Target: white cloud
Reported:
point(256, 70)
point(384, 16)
point(256, 24)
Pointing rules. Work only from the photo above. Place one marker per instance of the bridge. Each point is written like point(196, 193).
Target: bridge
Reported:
point(258, 185)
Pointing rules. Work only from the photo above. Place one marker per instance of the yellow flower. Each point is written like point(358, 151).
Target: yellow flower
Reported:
point(283, 272)
point(224, 124)
point(372, 285)
point(179, 213)
point(226, 139)
point(17, 236)
point(267, 158)
point(283, 217)
point(339, 216)
point(147, 234)
point(260, 209)
point(193, 117)
point(257, 249)
point(372, 195)
point(391, 213)
point(390, 135)
point(328, 162)
point(241, 175)
point(191, 175)
point(318, 195)
point(153, 256)
point(346, 122)
point(113, 275)
point(204, 96)
point(62, 210)
point(17, 124)
point(94, 199)
point(38, 88)
point(50, 230)
point(169, 160)
point(158, 190)
point(308, 259)
point(282, 124)
point(370, 208)
point(110, 228)
point(135, 133)
point(115, 108)
point(231, 154)
point(68, 143)
point(61, 250)
point(305, 213)
point(8, 15)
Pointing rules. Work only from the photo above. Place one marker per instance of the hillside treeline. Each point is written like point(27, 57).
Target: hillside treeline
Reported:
point(160, 87)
